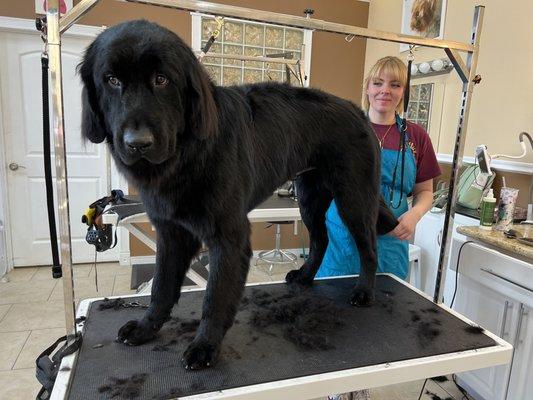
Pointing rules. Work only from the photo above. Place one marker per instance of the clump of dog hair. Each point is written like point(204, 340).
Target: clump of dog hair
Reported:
point(422, 15)
point(125, 388)
point(307, 321)
point(115, 304)
point(475, 329)
point(440, 379)
point(435, 396)
point(426, 333)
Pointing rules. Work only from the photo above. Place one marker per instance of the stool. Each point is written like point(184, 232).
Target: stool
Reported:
point(277, 256)
point(414, 275)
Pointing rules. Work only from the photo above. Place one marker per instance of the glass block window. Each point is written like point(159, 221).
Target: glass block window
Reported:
point(251, 39)
point(418, 110)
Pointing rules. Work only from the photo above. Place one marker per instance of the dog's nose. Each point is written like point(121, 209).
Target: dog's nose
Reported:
point(138, 140)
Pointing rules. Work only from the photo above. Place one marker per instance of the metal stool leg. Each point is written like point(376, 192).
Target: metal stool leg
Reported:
point(276, 256)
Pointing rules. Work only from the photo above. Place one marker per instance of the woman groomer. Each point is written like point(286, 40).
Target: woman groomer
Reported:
point(384, 91)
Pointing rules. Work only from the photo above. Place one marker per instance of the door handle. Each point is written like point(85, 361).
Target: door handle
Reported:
point(14, 166)
point(523, 314)
point(504, 318)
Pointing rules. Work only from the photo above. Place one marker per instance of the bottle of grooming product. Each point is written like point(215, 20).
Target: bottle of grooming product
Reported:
point(488, 203)
point(506, 208)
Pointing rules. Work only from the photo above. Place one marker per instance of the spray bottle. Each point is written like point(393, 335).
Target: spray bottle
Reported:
point(488, 203)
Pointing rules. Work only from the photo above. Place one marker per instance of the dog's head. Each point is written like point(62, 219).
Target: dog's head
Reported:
point(145, 93)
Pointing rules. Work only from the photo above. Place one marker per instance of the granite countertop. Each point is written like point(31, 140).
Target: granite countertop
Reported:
point(497, 239)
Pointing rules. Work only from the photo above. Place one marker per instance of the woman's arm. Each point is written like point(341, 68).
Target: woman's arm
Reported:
point(422, 201)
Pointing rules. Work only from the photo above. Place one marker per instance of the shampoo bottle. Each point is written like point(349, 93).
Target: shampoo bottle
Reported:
point(488, 203)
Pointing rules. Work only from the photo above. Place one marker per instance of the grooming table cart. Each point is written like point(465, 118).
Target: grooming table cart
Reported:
point(403, 337)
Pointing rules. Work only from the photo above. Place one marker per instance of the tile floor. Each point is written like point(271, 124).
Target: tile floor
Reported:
point(32, 318)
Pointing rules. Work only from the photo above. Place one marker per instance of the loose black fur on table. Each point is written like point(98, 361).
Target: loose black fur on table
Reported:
point(252, 354)
point(203, 156)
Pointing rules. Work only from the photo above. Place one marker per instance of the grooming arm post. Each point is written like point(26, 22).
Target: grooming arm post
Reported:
point(468, 88)
point(53, 39)
point(301, 22)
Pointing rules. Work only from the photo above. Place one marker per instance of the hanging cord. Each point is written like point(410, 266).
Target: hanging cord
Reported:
point(212, 38)
point(95, 270)
point(56, 266)
point(403, 135)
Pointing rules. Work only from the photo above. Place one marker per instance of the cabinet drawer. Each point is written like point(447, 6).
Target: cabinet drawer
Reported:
point(501, 272)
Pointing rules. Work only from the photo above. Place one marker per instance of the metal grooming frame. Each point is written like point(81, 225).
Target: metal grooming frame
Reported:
point(57, 25)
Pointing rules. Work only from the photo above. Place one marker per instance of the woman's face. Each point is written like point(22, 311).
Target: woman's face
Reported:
point(384, 93)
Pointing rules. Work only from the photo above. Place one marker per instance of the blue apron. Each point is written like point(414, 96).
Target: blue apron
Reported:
point(342, 257)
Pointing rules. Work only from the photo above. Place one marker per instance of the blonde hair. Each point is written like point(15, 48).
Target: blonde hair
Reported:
point(388, 65)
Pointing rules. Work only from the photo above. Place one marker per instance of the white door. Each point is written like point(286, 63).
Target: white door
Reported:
point(20, 81)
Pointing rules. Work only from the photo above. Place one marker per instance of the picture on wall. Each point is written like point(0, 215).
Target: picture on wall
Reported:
point(64, 6)
point(423, 18)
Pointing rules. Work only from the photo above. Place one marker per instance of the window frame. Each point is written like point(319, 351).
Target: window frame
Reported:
point(196, 38)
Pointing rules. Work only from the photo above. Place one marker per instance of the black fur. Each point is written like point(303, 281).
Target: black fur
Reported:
point(203, 156)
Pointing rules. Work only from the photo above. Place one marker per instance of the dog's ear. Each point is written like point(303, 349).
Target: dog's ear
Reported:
point(92, 124)
point(203, 109)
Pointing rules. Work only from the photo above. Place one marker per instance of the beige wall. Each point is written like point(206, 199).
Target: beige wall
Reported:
point(502, 105)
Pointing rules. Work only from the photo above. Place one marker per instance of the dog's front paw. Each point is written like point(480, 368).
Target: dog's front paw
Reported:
point(135, 333)
point(298, 276)
point(362, 297)
point(200, 354)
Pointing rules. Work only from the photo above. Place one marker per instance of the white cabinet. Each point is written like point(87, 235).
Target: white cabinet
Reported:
point(496, 291)
point(428, 237)
point(498, 314)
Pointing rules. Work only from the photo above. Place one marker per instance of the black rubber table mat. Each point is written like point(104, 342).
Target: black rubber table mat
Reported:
point(400, 325)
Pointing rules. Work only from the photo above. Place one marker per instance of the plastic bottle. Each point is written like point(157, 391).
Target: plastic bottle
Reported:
point(488, 203)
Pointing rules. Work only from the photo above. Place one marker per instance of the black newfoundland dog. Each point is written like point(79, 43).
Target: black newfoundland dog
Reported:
point(203, 156)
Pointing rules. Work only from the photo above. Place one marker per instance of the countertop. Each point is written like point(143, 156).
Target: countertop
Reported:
point(497, 239)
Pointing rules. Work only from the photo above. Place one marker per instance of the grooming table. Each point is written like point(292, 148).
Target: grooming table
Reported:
point(404, 336)
point(275, 208)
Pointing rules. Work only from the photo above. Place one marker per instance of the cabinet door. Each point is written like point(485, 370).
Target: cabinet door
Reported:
point(521, 383)
point(499, 315)
point(428, 232)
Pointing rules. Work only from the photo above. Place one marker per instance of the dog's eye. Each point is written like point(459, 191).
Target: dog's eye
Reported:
point(161, 80)
point(113, 80)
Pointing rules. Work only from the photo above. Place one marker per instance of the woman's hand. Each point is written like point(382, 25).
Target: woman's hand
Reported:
point(423, 199)
point(407, 224)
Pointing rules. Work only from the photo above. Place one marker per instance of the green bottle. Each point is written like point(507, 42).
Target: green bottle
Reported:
point(488, 203)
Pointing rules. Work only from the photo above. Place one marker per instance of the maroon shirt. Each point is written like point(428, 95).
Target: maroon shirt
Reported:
point(427, 166)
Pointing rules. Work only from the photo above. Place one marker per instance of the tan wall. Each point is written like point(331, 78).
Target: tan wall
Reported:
point(501, 106)
point(336, 65)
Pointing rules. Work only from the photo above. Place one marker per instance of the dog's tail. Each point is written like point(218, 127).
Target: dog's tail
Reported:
point(386, 219)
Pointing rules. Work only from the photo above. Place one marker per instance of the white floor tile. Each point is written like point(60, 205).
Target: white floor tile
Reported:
point(37, 342)
point(10, 347)
point(3, 310)
point(31, 316)
point(25, 292)
point(21, 274)
point(18, 384)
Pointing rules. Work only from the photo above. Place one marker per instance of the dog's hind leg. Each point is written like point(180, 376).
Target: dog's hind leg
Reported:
point(314, 199)
point(358, 207)
point(359, 212)
point(229, 261)
point(175, 249)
